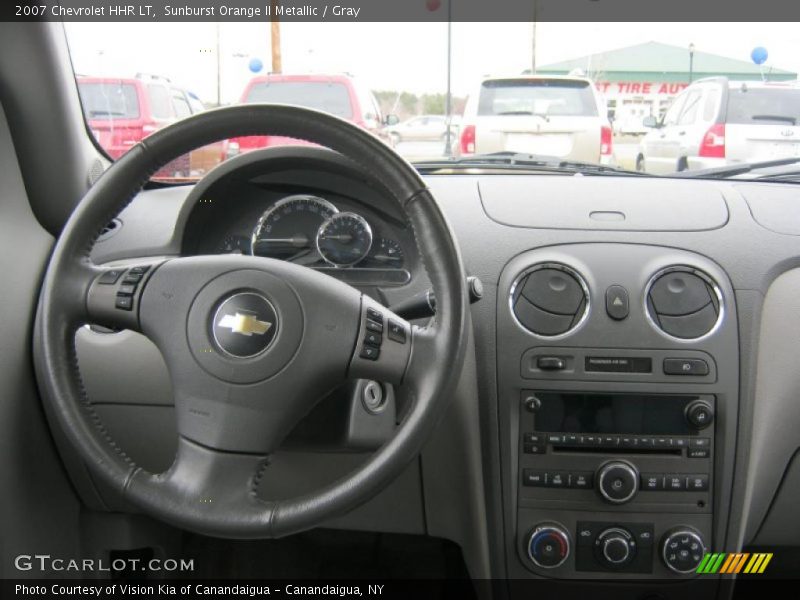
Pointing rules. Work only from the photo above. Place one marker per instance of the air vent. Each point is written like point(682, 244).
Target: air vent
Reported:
point(684, 302)
point(110, 229)
point(550, 299)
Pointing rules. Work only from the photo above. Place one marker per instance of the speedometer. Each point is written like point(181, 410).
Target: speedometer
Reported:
point(344, 239)
point(288, 230)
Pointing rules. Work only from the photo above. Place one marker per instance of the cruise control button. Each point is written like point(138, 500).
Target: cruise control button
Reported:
point(373, 326)
point(140, 269)
point(132, 278)
point(617, 302)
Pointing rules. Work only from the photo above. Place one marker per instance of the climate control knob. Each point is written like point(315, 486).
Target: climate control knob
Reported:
point(615, 547)
point(548, 545)
point(617, 481)
point(682, 549)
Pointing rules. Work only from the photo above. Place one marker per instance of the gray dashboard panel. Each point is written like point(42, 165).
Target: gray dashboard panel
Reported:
point(597, 203)
point(773, 207)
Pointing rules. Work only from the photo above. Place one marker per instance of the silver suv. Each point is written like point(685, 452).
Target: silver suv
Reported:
point(715, 122)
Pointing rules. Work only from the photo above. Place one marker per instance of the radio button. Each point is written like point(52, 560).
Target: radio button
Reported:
point(610, 441)
point(555, 438)
point(646, 442)
point(680, 443)
point(663, 442)
point(617, 482)
point(534, 448)
point(699, 442)
point(571, 440)
point(698, 453)
point(531, 478)
point(675, 483)
point(532, 438)
point(581, 480)
point(629, 442)
point(652, 482)
point(558, 479)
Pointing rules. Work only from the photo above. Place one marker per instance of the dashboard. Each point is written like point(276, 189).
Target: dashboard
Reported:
point(629, 403)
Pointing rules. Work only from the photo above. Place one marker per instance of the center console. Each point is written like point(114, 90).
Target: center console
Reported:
point(618, 370)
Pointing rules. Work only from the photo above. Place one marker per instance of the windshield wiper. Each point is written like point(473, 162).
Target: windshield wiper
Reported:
point(518, 160)
point(783, 118)
point(733, 170)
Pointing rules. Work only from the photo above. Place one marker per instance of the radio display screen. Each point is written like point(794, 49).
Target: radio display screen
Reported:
point(612, 413)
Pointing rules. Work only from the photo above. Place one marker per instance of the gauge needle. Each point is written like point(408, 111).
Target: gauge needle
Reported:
point(299, 241)
point(342, 237)
point(385, 257)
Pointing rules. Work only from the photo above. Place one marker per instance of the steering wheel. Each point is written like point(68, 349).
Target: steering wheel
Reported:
point(250, 343)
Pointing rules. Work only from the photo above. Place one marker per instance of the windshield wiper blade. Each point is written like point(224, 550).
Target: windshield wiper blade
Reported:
point(733, 170)
point(518, 160)
point(784, 118)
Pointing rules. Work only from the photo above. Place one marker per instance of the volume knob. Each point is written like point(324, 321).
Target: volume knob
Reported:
point(617, 481)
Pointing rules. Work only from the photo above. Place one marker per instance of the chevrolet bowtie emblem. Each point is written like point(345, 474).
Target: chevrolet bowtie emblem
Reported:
point(244, 324)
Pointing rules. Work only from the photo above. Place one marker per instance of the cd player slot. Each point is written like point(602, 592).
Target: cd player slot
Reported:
point(617, 450)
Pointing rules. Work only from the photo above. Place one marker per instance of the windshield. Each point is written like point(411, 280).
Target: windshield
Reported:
point(655, 98)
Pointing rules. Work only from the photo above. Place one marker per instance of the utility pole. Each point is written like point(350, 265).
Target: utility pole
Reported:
point(219, 67)
point(448, 108)
point(691, 62)
point(275, 32)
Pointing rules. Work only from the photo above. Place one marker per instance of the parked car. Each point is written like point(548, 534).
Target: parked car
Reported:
point(123, 111)
point(556, 116)
point(716, 121)
point(341, 95)
point(422, 128)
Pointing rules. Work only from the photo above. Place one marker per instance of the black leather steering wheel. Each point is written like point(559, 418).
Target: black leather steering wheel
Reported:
point(251, 344)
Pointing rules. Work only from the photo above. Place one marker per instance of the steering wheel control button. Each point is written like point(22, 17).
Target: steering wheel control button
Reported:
point(373, 339)
point(397, 332)
point(373, 326)
point(548, 546)
point(617, 482)
point(685, 366)
point(617, 302)
point(110, 277)
point(699, 414)
point(244, 325)
point(124, 302)
point(682, 549)
point(375, 315)
point(370, 352)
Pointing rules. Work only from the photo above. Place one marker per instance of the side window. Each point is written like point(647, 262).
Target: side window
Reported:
point(710, 105)
point(159, 101)
point(195, 104)
point(691, 108)
point(671, 116)
point(180, 105)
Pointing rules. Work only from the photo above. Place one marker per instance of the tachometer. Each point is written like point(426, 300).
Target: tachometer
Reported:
point(288, 230)
point(344, 239)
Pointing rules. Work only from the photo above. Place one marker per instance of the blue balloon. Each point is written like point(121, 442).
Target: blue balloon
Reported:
point(759, 55)
point(255, 65)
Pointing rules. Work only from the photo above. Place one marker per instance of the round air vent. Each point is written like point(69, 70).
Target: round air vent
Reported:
point(684, 302)
point(550, 299)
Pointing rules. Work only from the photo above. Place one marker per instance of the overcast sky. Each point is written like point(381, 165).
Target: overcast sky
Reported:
point(392, 56)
